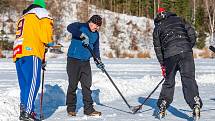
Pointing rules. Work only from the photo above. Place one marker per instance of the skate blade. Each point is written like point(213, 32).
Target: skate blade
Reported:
point(196, 118)
point(162, 115)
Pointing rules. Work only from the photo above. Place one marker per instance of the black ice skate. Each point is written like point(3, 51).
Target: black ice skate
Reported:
point(162, 111)
point(196, 109)
point(22, 110)
point(196, 113)
point(29, 117)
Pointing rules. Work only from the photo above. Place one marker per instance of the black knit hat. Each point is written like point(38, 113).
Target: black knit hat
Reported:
point(96, 19)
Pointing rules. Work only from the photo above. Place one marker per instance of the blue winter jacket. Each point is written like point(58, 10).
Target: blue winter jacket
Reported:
point(76, 50)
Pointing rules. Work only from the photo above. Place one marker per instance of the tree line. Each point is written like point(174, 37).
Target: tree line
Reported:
point(197, 12)
point(201, 13)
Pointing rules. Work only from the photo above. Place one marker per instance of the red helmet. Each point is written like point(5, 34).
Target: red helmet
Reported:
point(160, 10)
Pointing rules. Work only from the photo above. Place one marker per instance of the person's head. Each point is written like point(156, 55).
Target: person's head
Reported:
point(95, 22)
point(160, 12)
point(35, 4)
point(40, 3)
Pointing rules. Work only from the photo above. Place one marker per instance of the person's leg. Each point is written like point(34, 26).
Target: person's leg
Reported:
point(168, 87)
point(189, 85)
point(86, 82)
point(22, 83)
point(73, 72)
point(32, 72)
point(38, 65)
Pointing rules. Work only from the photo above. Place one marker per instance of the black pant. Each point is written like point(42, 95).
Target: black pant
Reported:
point(184, 63)
point(78, 70)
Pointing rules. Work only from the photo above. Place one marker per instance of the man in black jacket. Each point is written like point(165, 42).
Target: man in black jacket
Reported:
point(173, 40)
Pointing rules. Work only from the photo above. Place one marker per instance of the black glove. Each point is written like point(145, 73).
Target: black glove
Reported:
point(163, 70)
point(44, 65)
point(99, 64)
point(212, 48)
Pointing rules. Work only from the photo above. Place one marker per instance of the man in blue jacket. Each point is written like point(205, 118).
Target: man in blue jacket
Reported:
point(78, 63)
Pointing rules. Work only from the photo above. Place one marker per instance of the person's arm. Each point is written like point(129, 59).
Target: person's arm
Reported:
point(96, 49)
point(74, 29)
point(46, 35)
point(157, 46)
point(191, 33)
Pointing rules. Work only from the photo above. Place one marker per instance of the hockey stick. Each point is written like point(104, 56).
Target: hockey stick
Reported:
point(41, 97)
point(43, 78)
point(97, 61)
point(212, 48)
point(137, 108)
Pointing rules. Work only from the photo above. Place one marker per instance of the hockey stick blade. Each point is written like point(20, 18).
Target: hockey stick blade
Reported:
point(42, 117)
point(212, 48)
point(135, 109)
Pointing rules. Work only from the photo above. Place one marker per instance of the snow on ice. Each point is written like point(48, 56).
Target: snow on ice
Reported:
point(135, 78)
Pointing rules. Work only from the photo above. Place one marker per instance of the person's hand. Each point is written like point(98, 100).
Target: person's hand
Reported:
point(85, 39)
point(163, 70)
point(46, 49)
point(44, 65)
point(100, 65)
point(212, 48)
point(56, 46)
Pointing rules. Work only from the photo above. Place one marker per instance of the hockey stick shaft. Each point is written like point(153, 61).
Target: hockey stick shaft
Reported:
point(94, 57)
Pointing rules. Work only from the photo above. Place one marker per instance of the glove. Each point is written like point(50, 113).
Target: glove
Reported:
point(100, 65)
point(85, 40)
point(46, 49)
point(163, 69)
point(56, 46)
point(44, 65)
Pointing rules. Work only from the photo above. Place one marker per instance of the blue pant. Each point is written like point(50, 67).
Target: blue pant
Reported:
point(28, 71)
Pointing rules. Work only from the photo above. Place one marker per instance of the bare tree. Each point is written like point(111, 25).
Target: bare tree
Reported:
point(210, 6)
point(139, 8)
point(155, 8)
point(56, 7)
point(111, 5)
point(158, 3)
point(194, 12)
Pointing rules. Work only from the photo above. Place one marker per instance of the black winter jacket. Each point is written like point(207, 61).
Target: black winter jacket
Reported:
point(172, 36)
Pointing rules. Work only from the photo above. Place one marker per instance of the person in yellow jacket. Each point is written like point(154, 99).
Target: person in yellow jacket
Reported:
point(34, 32)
